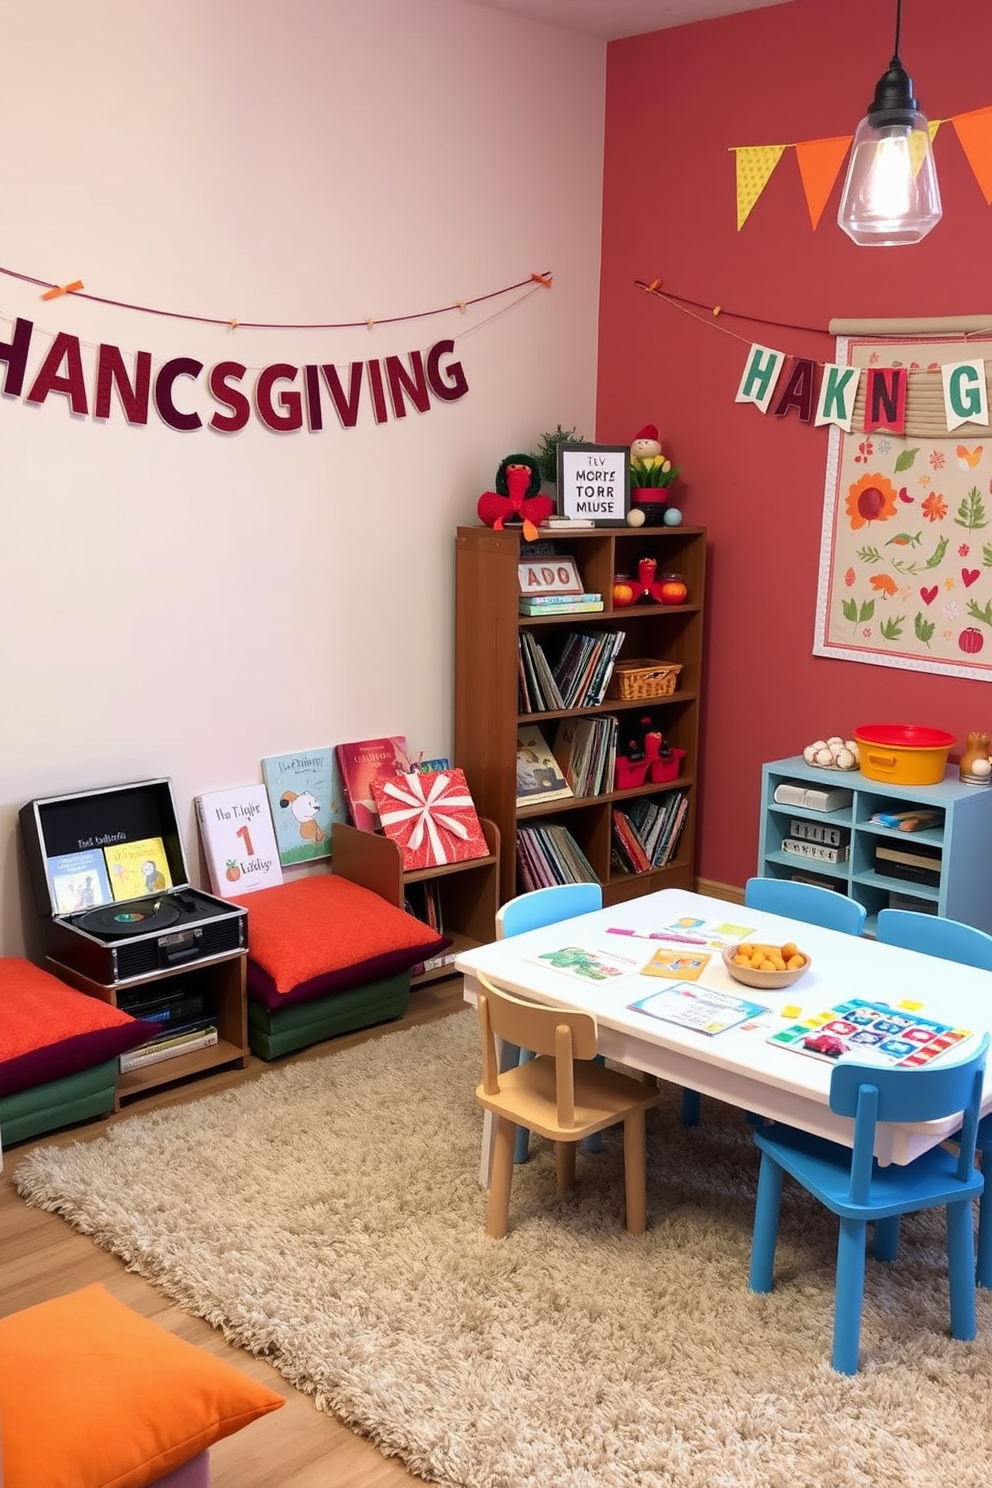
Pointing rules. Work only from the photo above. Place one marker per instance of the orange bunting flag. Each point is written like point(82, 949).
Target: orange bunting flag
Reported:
point(819, 165)
point(974, 130)
point(755, 164)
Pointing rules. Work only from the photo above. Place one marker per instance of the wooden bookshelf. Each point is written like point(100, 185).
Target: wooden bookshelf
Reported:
point(487, 627)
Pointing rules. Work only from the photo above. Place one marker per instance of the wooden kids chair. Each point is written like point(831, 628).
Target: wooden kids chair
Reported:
point(531, 911)
point(853, 1186)
point(560, 1093)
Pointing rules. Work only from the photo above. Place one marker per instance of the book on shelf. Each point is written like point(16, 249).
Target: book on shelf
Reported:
point(585, 666)
point(908, 821)
point(548, 854)
point(239, 840)
point(552, 602)
point(160, 1051)
point(586, 749)
point(542, 693)
point(628, 844)
point(301, 789)
point(138, 868)
point(539, 777)
point(79, 881)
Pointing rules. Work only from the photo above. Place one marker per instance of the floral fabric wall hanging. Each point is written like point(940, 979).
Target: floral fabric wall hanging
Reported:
point(906, 547)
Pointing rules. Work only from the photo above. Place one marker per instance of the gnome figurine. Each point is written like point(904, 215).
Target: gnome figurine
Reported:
point(651, 472)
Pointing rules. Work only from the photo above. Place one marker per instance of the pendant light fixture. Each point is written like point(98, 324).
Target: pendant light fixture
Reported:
point(890, 193)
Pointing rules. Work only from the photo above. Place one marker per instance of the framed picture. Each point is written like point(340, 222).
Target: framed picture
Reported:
point(548, 573)
point(594, 483)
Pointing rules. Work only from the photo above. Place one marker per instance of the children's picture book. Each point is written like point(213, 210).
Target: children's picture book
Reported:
point(300, 789)
point(539, 776)
point(872, 1032)
point(363, 761)
point(685, 964)
point(79, 881)
point(239, 840)
point(699, 1008)
point(589, 963)
point(138, 868)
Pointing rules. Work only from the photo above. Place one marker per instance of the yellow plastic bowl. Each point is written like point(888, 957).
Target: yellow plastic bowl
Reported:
point(903, 754)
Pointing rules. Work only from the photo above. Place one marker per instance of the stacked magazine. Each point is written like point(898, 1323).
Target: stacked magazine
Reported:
point(548, 854)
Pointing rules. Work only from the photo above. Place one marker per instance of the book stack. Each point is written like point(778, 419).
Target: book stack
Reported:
point(918, 862)
point(817, 840)
point(186, 1024)
point(646, 833)
point(560, 604)
point(586, 665)
point(586, 750)
point(538, 690)
point(548, 854)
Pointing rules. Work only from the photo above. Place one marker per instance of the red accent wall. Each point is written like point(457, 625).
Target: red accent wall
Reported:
point(677, 101)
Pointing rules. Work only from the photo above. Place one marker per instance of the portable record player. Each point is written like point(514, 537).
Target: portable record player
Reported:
point(109, 877)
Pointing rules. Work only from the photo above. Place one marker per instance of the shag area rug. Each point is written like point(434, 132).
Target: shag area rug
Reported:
point(327, 1216)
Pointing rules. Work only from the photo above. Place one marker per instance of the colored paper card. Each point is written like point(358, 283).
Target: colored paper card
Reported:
point(300, 791)
point(680, 966)
point(79, 881)
point(699, 1008)
point(138, 868)
point(589, 963)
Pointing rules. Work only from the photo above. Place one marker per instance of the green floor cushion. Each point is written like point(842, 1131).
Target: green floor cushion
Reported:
point(58, 1103)
point(283, 1030)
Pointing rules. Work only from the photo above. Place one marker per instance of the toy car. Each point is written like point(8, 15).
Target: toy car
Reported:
point(825, 1043)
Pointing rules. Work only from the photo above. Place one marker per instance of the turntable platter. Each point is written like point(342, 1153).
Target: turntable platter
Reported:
point(135, 917)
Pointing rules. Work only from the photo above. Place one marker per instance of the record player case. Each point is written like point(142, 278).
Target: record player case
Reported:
point(121, 943)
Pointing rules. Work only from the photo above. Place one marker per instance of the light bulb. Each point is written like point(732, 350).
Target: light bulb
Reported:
point(890, 194)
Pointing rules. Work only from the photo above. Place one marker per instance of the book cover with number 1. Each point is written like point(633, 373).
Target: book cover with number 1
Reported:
point(239, 840)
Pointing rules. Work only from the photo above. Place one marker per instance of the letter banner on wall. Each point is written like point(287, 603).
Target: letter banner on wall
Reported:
point(906, 547)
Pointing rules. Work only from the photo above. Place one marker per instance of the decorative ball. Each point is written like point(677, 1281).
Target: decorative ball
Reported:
point(844, 759)
point(824, 758)
point(672, 517)
point(635, 517)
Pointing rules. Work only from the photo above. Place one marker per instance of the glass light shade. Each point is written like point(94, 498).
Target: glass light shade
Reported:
point(890, 193)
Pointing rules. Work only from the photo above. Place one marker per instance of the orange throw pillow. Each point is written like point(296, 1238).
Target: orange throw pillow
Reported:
point(95, 1395)
point(298, 931)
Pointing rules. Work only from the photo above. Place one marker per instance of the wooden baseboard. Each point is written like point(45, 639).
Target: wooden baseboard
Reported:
point(720, 890)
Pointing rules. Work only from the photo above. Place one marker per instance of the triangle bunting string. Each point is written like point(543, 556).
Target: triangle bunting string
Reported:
point(820, 161)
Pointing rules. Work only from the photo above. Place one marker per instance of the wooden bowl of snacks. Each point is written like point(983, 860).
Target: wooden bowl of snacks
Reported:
point(757, 964)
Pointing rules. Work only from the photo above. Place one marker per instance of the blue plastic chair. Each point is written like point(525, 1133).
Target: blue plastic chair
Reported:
point(952, 941)
point(807, 902)
point(797, 901)
point(853, 1186)
point(531, 911)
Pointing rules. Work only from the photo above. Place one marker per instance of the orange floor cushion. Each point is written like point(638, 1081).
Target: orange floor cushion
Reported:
point(94, 1395)
point(49, 1030)
point(324, 934)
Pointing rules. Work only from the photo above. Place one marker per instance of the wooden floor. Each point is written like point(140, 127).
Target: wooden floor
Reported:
point(41, 1257)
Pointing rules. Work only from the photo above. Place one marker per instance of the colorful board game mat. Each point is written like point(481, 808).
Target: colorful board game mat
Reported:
point(872, 1031)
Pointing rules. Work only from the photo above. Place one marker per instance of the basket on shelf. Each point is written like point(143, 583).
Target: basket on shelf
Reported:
point(643, 679)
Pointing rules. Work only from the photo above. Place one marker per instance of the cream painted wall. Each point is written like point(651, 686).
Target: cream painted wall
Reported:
point(184, 603)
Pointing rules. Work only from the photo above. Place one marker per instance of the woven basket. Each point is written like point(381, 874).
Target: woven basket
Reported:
point(643, 679)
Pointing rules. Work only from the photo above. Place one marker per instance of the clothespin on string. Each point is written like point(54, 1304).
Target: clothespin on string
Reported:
point(61, 289)
point(544, 279)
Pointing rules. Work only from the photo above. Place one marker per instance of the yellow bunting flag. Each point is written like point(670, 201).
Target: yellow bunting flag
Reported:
point(974, 130)
point(755, 164)
point(918, 144)
point(819, 163)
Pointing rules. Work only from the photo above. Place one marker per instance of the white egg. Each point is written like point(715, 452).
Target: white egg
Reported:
point(981, 767)
point(835, 741)
point(852, 745)
point(817, 745)
point(823, 757)
point(844, 759)
point(809, 754)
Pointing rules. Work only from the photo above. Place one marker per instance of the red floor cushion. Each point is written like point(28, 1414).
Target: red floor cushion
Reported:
point(49, 1030)
point(324, 934)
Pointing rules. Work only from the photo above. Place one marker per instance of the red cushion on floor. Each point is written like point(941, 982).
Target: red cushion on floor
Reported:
point(49, 1030)
point(322, 925)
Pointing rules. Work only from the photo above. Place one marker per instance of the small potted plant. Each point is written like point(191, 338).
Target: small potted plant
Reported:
point(651, 473)
point(546, 454)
